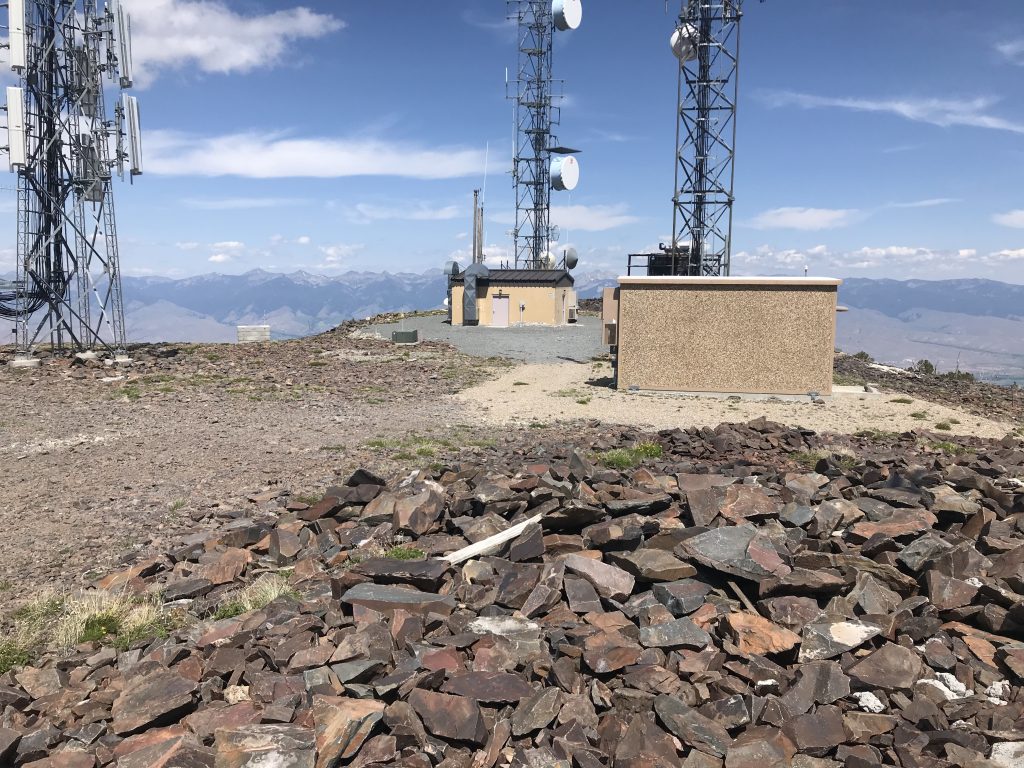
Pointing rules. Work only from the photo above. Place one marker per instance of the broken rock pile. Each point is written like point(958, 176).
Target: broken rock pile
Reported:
point(716, 606)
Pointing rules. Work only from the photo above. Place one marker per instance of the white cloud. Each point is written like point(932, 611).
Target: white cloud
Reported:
point(188, 246)
point(945, 113)
point(1013, 219)
point(929, 203)
point(242, 203)
point(336, 255)
point(268, 156)
point(365, 213)
point(304, 240)
point(808, 219)
point(228, 245)
point(1012, 51)
point(220, 258)
point(591, 218)
point(1006, 255)
point(210, 37)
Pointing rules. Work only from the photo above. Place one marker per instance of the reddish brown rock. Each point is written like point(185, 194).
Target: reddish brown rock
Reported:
point(450, 717)
point(159, 698)
point(754, 634)
point(342, 725)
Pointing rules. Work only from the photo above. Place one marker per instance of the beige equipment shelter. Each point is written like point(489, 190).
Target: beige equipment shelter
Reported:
point(743, 335)
point(509, 297)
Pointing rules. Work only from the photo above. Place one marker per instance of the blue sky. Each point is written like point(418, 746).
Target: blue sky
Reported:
point(875, 138)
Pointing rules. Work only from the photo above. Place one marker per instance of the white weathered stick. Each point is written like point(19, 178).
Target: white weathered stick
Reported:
point(491, 543)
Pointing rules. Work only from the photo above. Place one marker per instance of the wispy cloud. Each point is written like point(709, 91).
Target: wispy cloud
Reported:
point(365, 213)
point(242, 203)
point(890, 259)
point(592, 218)
point(263, 156)
point(1012, 51)
point(807, 219)
point(1013, 219)
point(220, 258)
point(930, 203)
point(972, 112)
point(208, 36)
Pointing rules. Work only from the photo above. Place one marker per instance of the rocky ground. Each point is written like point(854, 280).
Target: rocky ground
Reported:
point(731, 597)
point(275, 579)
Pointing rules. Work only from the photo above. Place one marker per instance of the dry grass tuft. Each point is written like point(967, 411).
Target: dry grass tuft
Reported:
point(261, 593)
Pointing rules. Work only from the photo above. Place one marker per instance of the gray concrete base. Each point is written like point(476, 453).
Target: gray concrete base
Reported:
point(88, 355)
point(755, 397)
point(121, 360)
point(24, 361)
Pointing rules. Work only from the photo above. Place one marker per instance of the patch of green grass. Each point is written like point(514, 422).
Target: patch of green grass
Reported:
point(213, 357)
point(810, 459)
point(307, 498)
point(405, 553)
point(5, 584)
point(627, 458)
point(403, 456)
point(919, 415)
point(520, 383)
point(383, 444)
point(132, 393)
point(12, 655)
point(259, 594)
point(842, 380)
point(944, 426)
point(177, 504)
point(426, 451)
point(951, 449)
point(901, 400)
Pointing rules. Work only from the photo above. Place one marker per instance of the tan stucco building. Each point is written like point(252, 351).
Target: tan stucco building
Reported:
point(744, 335)
point(509, 297)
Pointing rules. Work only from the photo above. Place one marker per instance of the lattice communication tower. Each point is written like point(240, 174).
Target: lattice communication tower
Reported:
point(539, 163)
point(65, 149)
point(706, 43)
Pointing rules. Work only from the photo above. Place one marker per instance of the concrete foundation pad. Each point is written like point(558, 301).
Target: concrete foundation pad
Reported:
point(88, 355)
point(24, 361)
point(121, 360)
point(746, 396)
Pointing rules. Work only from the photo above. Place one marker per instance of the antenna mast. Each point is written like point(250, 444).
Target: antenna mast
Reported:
point(61, 138)
point(706, 42)
point(533, 171)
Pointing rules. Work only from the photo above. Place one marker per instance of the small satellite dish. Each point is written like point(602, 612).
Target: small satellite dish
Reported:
point(684, 42)
point(565, 173)
point(572, 258)
point(452, 268)
point(568, 14)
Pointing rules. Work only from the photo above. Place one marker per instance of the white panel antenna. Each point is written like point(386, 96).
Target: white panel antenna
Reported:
point(19, 53)
point(123, 40)
point(16, 128)
point(131, 112)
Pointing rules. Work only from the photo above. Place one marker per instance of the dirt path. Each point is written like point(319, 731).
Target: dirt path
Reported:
point(568, 391)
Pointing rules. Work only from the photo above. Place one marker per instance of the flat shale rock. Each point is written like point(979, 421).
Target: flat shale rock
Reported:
point(489, 687)
point(828, 640)
point(610, 582)
point(155, 699)
point(450, 717)
point(651, 565)
point(380, 597)
point(681, 633)
point(252, 746)
point(890, 667)
point(739, 551)
point(691, 727)
point(755, 635)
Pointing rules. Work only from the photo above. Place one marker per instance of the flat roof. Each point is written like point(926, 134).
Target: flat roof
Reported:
point(802, 282)
point(522, 277)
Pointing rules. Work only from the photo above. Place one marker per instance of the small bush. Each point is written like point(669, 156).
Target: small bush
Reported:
point(520, 384)
point(944, 426)
point(12, 654)
point(924, 366)
point(902, 400)
point(919, 415)
point(862, 355)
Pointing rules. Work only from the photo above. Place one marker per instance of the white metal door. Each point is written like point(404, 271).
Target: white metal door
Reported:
point(499, 311)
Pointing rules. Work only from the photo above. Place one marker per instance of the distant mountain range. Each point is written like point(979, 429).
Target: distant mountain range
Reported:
point(978, 324)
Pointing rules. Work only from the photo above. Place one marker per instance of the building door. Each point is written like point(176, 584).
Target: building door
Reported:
point(499, 311)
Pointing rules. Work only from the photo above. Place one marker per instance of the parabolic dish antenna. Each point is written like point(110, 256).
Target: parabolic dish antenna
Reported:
point(452, 268)
point(568, 14)
point(684, 42)
point(572, 258)
point(565, 173)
